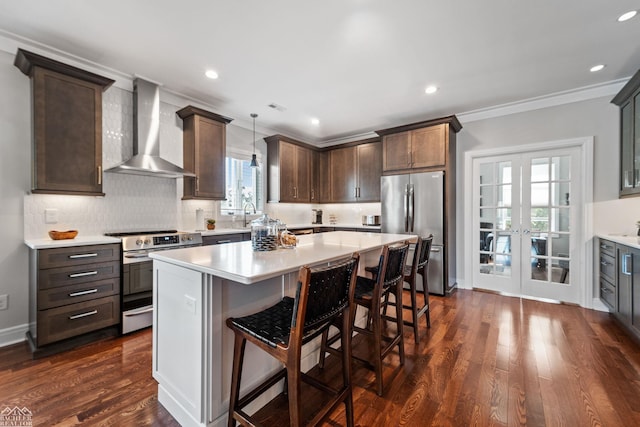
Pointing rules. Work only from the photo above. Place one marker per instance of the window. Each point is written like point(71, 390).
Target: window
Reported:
point(243, 183)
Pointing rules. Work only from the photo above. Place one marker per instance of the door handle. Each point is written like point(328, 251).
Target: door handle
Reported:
point(626, 269)
point(411, 206)
point(406, 208)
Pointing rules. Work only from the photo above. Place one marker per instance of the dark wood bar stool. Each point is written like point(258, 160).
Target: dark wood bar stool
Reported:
point(419, 266)
point(324, 297)
point(370, 294)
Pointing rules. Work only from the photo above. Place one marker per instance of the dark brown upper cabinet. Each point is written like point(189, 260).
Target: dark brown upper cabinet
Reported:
point(289, 170)
point(425, 146)
point(204, 151)
point(67, 126)
point(355, 172)
point(628, 99)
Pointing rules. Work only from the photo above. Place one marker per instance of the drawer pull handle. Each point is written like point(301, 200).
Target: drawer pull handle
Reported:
point(87, 292)
point(138, 312)
point(81, 315)
point(224, 241)
point(606, 247)
point(83, 256)
point(88, 273)
point(605, 263)
point(606, 291)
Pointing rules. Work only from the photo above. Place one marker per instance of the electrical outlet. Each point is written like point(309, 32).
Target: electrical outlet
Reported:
point(50, 216)
point(4, 302)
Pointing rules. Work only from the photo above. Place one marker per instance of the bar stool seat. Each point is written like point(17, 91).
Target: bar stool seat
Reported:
point(324, 297)
point(369, 293)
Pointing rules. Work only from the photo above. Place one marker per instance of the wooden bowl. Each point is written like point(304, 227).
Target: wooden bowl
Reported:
point(63, 235)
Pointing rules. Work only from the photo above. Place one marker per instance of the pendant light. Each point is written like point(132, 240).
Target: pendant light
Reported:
point(254, 160)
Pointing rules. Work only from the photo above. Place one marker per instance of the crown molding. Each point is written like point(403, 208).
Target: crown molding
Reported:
point(552, 100)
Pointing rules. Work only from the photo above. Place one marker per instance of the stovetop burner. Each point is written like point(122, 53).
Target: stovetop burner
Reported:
point(139, 233)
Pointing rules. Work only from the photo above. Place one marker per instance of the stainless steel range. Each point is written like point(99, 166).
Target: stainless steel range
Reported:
point(137, 271)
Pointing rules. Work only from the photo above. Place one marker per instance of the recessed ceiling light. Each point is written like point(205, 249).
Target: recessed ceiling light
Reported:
point(627, 16)
point(315, 121)
point(596, 68)
point(431, 89)
point(211, 74)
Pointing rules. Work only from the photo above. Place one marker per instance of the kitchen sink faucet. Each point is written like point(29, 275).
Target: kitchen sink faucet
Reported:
point(244, 209)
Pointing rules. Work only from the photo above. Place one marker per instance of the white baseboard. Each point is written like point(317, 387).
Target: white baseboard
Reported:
point(13, 335)
point(599, 305)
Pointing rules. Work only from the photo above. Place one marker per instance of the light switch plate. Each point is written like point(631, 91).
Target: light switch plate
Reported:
point(190, 304)
point(50, 216)
point(4, 302)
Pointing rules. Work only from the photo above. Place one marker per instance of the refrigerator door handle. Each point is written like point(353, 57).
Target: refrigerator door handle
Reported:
point(411, 205)
point(406, 208)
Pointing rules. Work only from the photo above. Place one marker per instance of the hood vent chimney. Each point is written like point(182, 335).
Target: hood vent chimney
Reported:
point(146, 158)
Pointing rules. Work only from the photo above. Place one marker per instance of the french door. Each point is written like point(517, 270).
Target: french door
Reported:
point(527, 212)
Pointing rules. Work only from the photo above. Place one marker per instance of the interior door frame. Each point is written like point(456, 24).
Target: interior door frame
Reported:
point(585, 242)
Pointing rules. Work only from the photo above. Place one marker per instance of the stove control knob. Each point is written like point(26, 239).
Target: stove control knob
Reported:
point(139, 242)
point(147, 241)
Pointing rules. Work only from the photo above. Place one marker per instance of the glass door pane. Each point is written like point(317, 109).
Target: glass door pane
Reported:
point(495, 214)
point(548, 201)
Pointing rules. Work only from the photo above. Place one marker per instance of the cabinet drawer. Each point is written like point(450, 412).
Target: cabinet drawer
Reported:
point(608, 294)
point(607, 247)
point(59, 323)
point(77, 255)
point(608, 266)
point(63, 276)
point(65, 295)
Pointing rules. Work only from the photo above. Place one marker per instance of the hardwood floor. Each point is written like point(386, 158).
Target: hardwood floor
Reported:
point(487, 360)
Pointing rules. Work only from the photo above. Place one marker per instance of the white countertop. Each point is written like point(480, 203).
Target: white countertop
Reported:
point(623, 239)
point(238, 261)
point(79, 240)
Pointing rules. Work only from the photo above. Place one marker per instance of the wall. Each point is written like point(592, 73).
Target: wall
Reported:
point(595, 117)
point(15, 176)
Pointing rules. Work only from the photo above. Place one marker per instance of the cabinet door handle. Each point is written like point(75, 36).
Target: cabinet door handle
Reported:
point(79, 293)
point(197, 184)
point(99, 175)
point(626, 268)
point(86, 273)
point(83, 256)
point(313, 194)
point(88, 313)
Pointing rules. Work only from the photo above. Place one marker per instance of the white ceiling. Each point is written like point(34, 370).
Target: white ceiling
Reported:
point(356, 65)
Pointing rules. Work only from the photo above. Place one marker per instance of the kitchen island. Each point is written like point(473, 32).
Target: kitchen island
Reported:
point(197, 289)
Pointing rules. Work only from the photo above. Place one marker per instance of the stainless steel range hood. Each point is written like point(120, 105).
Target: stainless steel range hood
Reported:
point(146, 158)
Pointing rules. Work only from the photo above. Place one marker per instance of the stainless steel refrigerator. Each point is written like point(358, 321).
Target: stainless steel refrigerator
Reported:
point(414, 204)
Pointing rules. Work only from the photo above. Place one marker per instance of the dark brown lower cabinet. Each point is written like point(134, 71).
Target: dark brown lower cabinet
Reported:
point(628, 288)
point(73, 292)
